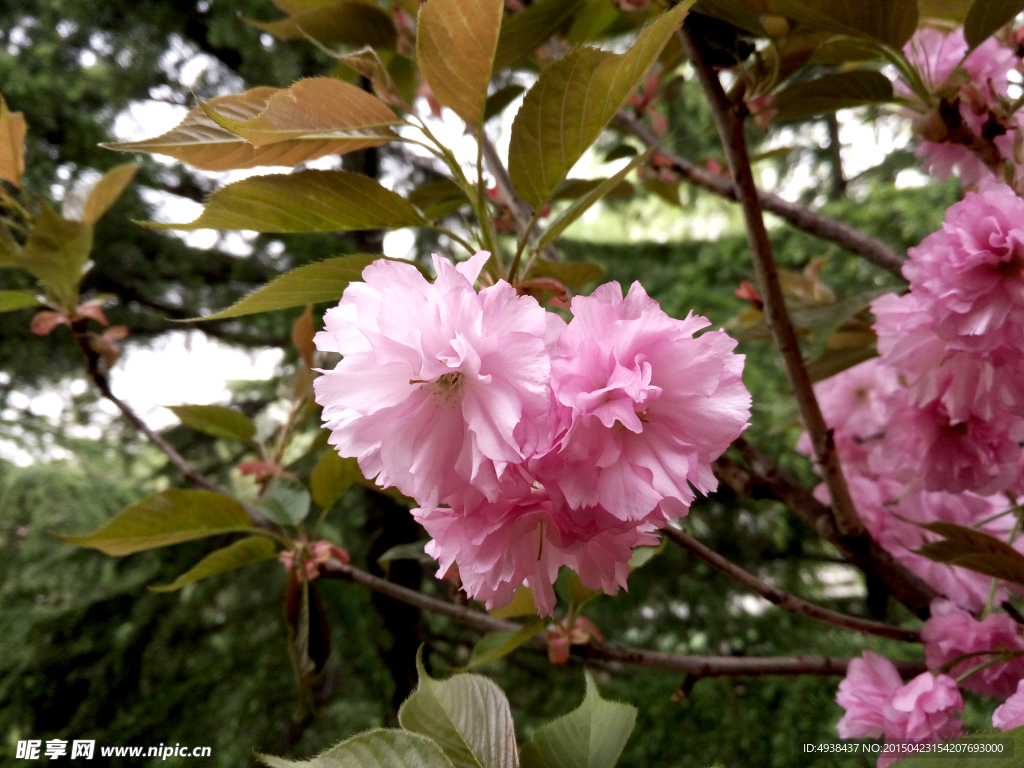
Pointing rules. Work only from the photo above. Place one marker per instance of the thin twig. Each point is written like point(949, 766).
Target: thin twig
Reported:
point(878, 253)
point(761, 479)
point(784, 599)
point(729, 118)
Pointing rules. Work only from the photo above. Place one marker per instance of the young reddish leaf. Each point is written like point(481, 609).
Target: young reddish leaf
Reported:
point(56, 253)
point(573, 101)
point(455, 45)
point(165, 518)
point(12, 144)
point(314, 109)
point(202, 143)
point(107, 190)
point(891, 22)
point(349, 22)
point(308, 201)
point(311, 284)
point(252, 549)
point(216, 421)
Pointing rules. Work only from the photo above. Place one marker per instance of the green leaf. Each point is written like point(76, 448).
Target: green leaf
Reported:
point(12, 144)
point(583, 203)
point(500, 99)
point(10, 250)
point(497, 645)
point(310, 284)
point(833, 361)
point(107, 190)
point(11, 300)
point(576, 275)
point(735, 12)
point(572, 102)
point(974, 550)
point(411, 551)
point(369, 64)
point(831, 92)
point(252, 549)
point(986, 17)
point(891, 22)
point(593, 21)
point(56, 253)
point(216, 421)
point(308, 201)
point(591, 736)
point(573, 189)
point(352, 23)
point(284, 502)
point(522, 605)
point(619, 152)
point(168, 517)
point(466, 715)
point(332, 477)
point(455, 44)
point(529, 29)
point(377, 748)
point(643, 555)
point(578, 593)
point(438, 198)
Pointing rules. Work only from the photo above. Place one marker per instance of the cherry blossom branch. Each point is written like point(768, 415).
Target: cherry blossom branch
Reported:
point(878, 253)
point(785, 600)
point(763, 479)
point(729, 118)
point(190, 473)
point(699, 666)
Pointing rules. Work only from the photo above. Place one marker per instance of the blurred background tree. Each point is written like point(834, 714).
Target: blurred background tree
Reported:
point(88, 652)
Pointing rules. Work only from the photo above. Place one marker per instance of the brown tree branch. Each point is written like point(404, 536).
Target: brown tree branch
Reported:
point(762, 479)
point(729, 117)
point(700, 666)
point(784, 599)
point(878, 253)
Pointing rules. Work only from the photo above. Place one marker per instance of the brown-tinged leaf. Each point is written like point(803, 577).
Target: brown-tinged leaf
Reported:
point(204, 144)
point(314, 109)
point(302, 336)
point(974, 550)
point(455, 45)
point(348, 22)
point(307, 201)
point(368, 64)
point(572, 102)
point(107, 190)
point(12, 144)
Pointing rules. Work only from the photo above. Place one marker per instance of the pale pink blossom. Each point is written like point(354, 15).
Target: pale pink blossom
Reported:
point(441, 389)
point(877, 703)
point(525, 539)
point(646, 405)
point(942, 159)
point(935, 55)
point(1010, 714)
point(951, 632)
point(969, 276)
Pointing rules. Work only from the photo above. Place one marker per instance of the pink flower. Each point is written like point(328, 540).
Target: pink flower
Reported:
point(440, 389)
point(951, 632)
point(647, 407)
point(935, 55)
point(878, 704)
point(1010, 714)
point(968, 275)
point(525, 539)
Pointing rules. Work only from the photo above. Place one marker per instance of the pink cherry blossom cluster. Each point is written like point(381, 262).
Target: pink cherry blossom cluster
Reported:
point(971, 126)
point(528, 442)
point(931, 431)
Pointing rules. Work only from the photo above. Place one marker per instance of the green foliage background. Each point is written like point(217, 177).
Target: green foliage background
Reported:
point(87, 652)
